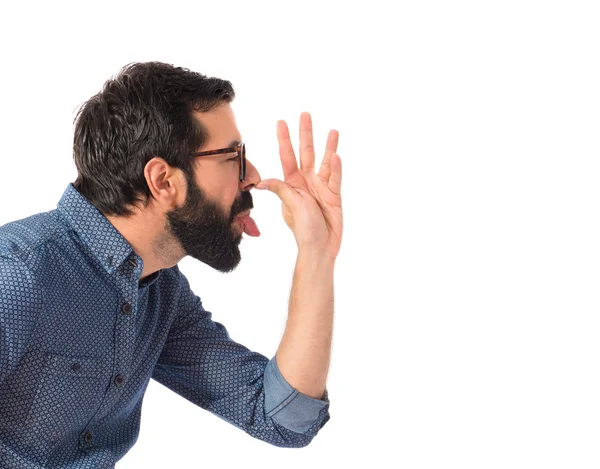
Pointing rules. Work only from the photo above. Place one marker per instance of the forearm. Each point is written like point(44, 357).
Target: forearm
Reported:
point(304, 352)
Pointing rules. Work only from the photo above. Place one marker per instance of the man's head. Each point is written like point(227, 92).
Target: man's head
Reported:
point(132, 148)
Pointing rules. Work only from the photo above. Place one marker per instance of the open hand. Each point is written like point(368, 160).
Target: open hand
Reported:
point(311, 202)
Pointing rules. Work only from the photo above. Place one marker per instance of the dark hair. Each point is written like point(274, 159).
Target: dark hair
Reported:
point(143, 112)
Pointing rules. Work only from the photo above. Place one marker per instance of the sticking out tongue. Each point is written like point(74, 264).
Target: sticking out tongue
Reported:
point(249, 225)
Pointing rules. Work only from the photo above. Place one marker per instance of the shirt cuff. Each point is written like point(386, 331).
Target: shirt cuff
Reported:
point(287, 406)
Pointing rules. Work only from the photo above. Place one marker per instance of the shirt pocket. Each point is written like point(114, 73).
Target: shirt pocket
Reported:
point(68, 394)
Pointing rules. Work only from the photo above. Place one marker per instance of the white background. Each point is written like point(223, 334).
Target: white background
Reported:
point(467, 287)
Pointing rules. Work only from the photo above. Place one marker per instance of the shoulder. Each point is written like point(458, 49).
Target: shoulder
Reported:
point(19, 238)
point(20, 298)
point(18, 285)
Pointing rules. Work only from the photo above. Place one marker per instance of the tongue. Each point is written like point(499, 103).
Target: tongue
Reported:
point(249, 225)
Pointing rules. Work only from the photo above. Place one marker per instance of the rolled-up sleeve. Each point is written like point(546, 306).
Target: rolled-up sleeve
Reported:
point(202, 363)
point(287, 406)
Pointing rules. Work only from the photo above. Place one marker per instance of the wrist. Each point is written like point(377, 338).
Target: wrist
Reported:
point(314, 254)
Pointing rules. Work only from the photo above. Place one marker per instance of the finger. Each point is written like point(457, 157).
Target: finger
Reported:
point(284, 191)
point(307, 149)
point(330, 149)
point(286, 150)
point(335, 180)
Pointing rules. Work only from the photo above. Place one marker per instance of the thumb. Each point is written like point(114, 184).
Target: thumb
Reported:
point(283, 190)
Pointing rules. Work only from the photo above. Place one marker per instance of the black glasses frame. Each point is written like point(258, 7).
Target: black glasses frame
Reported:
point(239, 149)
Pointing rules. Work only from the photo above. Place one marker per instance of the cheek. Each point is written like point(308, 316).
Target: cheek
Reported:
point(229, 200)
point(222, 191)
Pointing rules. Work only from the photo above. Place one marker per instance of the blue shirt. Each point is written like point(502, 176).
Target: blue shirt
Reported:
point(81, 336)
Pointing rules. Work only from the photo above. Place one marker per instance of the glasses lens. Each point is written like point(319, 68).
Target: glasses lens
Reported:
point(243, 162)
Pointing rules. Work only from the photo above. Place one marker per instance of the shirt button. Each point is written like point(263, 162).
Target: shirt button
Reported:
point(126, 308)
point(119, 380)
point(87, 437)
point(75, 367)
point(133, 262)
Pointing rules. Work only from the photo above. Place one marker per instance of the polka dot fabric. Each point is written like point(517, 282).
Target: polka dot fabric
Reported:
point(81, 337)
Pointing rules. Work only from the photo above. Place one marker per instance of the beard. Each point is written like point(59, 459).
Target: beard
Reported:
point(205, 231)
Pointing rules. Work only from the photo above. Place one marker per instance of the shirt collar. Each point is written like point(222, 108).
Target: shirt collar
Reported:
point(103, 239)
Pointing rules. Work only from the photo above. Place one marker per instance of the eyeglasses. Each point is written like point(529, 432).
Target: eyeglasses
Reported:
point(239, 149)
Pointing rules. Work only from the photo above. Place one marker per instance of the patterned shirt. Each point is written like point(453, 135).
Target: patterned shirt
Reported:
point(81, 336)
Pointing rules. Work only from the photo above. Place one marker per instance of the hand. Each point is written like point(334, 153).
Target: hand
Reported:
point(311, 203)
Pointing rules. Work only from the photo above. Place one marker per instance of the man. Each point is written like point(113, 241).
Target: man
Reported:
point(93, 304)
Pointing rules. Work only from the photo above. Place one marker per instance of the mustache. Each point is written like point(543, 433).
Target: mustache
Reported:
point(241, 204)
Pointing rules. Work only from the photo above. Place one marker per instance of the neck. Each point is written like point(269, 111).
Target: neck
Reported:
point(156, 248)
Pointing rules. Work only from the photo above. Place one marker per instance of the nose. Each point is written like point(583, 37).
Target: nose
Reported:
point(252, 177)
